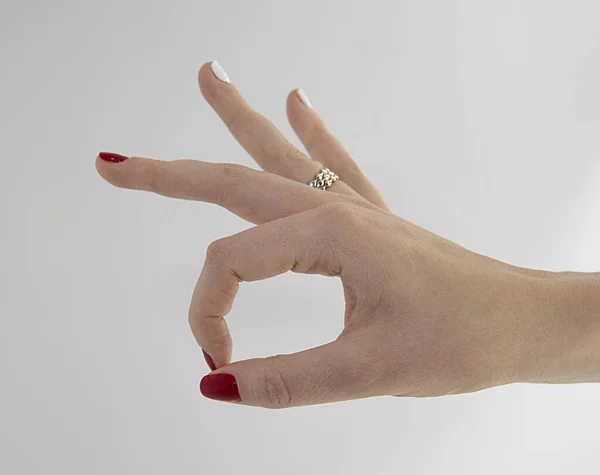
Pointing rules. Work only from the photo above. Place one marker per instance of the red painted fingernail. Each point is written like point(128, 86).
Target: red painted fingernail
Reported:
point(112, 157)
point(209, 361)
point(220, 386)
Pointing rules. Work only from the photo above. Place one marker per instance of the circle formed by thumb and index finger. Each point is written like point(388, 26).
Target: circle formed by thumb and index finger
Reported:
point(305, 242)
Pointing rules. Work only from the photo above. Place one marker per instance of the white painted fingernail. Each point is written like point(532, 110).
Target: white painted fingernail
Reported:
point(218, 70)
point(304, 98)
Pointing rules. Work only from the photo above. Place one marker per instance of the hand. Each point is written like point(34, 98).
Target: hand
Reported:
point(424, 316)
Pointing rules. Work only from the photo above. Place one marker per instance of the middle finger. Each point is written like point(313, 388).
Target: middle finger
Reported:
point(256, 134)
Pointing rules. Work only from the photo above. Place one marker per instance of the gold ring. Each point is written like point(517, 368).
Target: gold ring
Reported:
point(324, 179)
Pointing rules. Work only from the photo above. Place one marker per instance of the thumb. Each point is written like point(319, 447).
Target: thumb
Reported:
point(329, 373)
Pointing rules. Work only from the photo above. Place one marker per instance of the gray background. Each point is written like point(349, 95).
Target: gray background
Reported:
point(479, 120)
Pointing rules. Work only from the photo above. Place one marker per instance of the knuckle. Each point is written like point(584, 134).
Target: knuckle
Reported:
point(227, 179)
point(237, 122)
point(159, 176)
point(315, 134)
point(218, 250)
point(293, 158)
point(274, 390)
point(231, 171)
point(340, 214)
point(282, 158)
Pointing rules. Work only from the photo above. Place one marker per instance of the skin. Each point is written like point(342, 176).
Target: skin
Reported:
point(424, 316)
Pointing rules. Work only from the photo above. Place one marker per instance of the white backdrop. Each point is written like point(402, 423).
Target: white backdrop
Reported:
point(478, 120)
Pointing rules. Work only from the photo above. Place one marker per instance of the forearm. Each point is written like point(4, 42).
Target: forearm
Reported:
point(565, 345)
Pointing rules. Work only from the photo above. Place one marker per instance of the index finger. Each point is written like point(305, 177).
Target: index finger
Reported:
point(292, 243)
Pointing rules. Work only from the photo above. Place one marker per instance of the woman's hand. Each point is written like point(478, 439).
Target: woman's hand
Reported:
point(424, 316)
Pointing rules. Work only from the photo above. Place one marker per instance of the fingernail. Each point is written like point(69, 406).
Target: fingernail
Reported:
point(218, 71)
point(209, 361)
point(304, 98)
point(220, 386)
point(112, 157)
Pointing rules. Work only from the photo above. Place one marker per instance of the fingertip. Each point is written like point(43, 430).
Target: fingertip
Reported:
point(293, 99)
point(109, 171)
point(292, 95)
point(304, 98)
point(112, 157)
point(104, 163)
point(220, 387)
point(300, 113)
point(132, 173)
point(294, 106)
point(211, 79)
point(204, 73)
point(298, 98)
point(209, 361)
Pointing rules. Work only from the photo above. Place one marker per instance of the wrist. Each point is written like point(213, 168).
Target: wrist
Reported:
point(564, 342)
